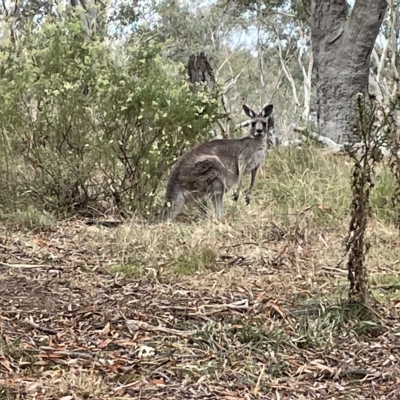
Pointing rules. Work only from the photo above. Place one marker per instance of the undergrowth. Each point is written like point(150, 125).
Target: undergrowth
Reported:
point(253, 301)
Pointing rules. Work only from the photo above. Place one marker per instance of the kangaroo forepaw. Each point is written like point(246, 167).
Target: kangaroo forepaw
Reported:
point(235, 196)
point(247, 199)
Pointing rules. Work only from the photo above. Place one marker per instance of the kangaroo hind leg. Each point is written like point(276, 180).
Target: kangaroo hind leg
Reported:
point(217, 191)
point(250, 189)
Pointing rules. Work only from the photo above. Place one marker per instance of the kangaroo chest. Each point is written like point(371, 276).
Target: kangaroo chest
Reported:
point(256, 159)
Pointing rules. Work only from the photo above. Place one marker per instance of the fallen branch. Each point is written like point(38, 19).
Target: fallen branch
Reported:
point(322, 139)
point(329, 143)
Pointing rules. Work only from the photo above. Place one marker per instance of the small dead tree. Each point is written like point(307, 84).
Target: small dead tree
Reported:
point(374, 134)
point(394, 165)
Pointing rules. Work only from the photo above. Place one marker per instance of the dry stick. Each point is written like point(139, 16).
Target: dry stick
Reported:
point(75, 354)
point(238, 305)
point(240, 244)
point(361, 373)
point(257, 387)
point(3, 264)
point(134, 325)
point(128, 385)
point(40, 328)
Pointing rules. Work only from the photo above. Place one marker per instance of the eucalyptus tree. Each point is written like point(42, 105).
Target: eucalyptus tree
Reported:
point(342, 37)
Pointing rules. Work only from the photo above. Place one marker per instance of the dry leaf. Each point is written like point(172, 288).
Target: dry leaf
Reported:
point(5, 363)
point(104, 343)
point(106, 329)
point(40, 243)
point(158, 381)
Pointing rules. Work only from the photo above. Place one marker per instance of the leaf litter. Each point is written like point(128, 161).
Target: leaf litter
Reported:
point(72, 329)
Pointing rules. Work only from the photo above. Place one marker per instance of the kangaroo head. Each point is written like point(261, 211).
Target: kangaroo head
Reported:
point(260, 123)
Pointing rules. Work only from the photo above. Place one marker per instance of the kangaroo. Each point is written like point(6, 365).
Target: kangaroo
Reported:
point(212, 168)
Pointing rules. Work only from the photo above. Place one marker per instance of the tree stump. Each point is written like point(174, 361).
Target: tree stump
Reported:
point(200, 70)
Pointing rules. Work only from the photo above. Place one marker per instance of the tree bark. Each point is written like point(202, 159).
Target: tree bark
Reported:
point(342, 41)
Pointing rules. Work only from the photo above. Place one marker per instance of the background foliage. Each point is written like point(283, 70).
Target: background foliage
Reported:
point(86, 127)
point(96, 106)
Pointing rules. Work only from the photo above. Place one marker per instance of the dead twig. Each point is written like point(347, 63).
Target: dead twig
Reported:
point(40, 328)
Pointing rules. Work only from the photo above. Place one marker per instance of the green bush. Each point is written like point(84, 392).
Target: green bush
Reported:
point(86, 128)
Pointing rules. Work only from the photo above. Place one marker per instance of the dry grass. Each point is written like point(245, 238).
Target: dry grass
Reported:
point(248, 308)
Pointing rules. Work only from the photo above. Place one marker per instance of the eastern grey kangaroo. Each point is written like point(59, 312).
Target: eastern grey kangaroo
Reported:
point(212, 168)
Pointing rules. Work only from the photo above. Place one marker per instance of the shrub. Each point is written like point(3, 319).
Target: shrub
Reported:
point(84, 127)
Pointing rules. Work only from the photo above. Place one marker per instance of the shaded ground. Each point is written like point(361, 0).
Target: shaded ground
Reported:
point(245, 324)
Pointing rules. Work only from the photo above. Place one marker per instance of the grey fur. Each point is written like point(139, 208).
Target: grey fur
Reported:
point(212, 168)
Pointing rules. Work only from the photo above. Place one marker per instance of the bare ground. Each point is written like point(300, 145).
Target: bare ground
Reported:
point(193, 311)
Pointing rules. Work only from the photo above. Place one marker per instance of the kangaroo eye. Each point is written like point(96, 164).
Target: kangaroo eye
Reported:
point(253, 124)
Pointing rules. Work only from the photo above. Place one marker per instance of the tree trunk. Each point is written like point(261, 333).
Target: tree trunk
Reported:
point(342, 41)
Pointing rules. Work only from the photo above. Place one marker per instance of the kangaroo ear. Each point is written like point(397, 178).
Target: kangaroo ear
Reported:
point(249, 112)
point(267, 110)
point(271, 123)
